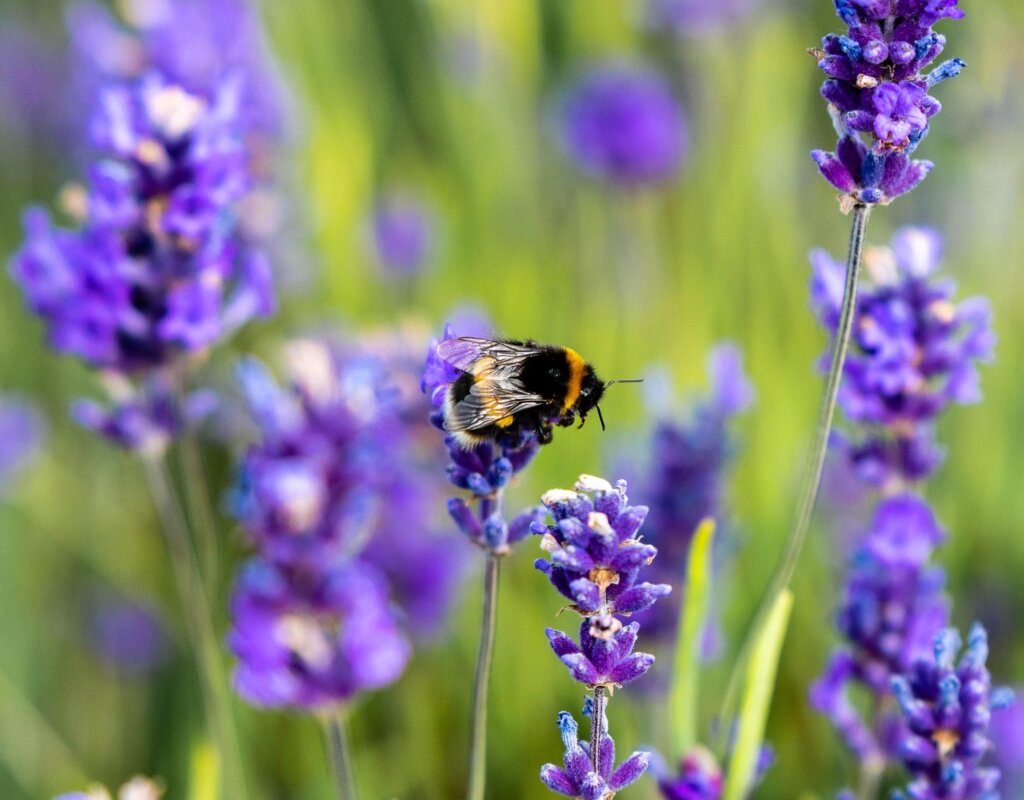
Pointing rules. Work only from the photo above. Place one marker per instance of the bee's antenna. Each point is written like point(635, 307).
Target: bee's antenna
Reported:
point(625, 380)
point(600, 416)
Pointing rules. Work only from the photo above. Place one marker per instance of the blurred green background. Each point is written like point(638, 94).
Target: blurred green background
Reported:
point(449, 100)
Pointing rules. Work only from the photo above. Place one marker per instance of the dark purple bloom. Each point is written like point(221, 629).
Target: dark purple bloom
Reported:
point(604, 656)
point(596, 554)
point(875, 85)
point(623, 125)
point(21, 434)
point(698, 778)
point(578, 778)
point(128, 636)
point(947, 708)
point(403, 233)
point(313, 638)
point(913, 353)
point(156, 269)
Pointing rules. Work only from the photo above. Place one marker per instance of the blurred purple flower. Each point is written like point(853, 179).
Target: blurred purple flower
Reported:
point(313, 638)
point(311, 490)
point(947, 709)
point(875, 86)
point(138, 788)
point(21, 436)
point(1006, 731)
point(622, 124)
point(913, 353)
point(578, 779)
point(894, 605)
point(686, 472)
point(403, 235)
point(698, 778)
point(128, 636)
point(194, 43)
point(32, 89)
point(155, 270)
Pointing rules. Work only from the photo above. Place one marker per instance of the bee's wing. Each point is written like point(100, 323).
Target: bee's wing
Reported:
point(476, 356)
point(489, 399)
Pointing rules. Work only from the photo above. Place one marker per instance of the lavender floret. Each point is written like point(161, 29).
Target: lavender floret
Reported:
point(947, 709)
point(877, 90)
point(913, 352)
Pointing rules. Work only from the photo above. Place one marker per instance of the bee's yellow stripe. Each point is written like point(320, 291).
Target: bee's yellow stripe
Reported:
point(572, 389)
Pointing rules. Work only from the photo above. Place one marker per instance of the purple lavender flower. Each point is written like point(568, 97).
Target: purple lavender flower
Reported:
point(623, 125)
point(21, 434)
point(195, 43)
point(893, 607)
point(579, 779)
point(876, 86)
point(313, 638)
point(403, 231)
point(128, 636)
point(604, 656)
point(685, 477)
point(913, 353)
point(947, 709)
point(155, 270)
point(596, 554)
point(698, 778)
point(311, 490)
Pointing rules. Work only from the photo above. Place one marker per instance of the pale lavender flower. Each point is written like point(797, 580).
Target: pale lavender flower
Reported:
point(128, 636)
point(696, 17)
point(622, 124)
point(311, 639)
point(403, 234)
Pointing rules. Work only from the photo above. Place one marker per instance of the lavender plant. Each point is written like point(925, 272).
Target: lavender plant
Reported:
point(22, 432)
point(879, 103)
point(596, 560)
point(484, 471)
point(915, 352)
point(314, 624)
point(138, 788)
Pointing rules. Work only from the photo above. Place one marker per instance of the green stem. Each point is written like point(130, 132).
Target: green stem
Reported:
point(338, 753)
point(786, 565)
point(197, 499)
point(198, 625)
point(596, 724)
point(485, 656)
point(870, 778)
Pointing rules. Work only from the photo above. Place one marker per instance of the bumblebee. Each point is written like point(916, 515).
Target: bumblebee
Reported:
point(508, 386)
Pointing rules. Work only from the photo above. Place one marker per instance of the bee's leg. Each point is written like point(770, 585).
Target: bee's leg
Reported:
point(583, 418)
point(544, 435)
point(567, 419)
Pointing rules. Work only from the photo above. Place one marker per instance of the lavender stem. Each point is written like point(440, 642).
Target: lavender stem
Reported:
point(596, 723)
point(198, 624)
point(197, 499)
point(336, 733)
point(786, 565)
point(485, 655)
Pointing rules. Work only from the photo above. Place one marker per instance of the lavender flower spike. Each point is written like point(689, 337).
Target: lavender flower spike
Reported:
point(947, 710)
point(876, 88)
point(579, 779)
point(138, 788)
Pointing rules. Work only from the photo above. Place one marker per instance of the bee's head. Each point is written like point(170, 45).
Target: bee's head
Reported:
point(591, 391)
